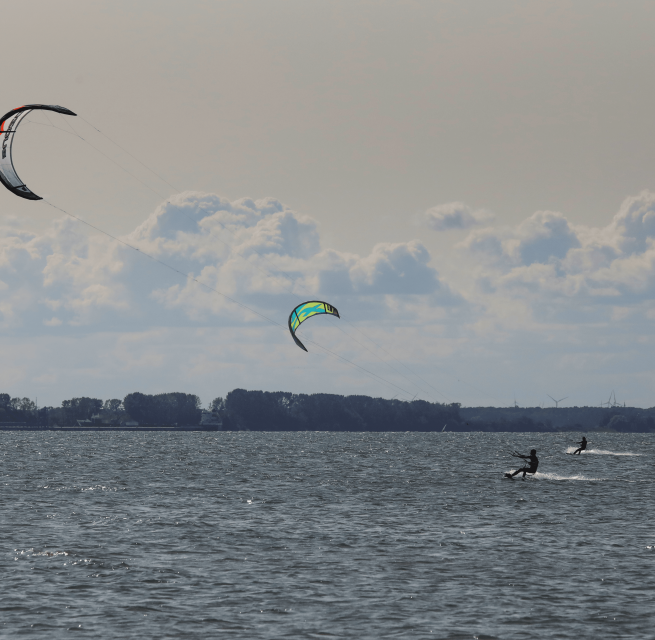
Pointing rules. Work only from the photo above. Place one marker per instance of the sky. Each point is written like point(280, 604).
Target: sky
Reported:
point(471, 184)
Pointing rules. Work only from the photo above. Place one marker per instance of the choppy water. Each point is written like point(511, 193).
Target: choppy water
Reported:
point(305, 535)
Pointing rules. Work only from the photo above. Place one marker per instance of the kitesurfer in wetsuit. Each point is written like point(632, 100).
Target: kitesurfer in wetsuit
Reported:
point(531, 467)
point(583, 446)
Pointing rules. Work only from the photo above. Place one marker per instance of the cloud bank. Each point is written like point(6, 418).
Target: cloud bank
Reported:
point(258, 252)
point(542, 307)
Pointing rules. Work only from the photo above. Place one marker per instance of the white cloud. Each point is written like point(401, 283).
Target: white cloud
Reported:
point(634, 224)
point(264, 254)
point(395, 268)
point(454, 215)
point(547, 255)
point(260, 253)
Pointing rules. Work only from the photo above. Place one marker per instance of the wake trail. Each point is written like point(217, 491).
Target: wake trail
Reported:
point(603, 452)
point(556, 476)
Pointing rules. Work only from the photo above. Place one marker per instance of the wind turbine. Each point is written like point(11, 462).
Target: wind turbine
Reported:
point(611, 401)
point(556, 401)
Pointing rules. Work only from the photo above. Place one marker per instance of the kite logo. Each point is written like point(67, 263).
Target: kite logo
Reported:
point(4, 142)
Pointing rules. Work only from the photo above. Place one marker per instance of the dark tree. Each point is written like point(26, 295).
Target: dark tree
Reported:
point(217, 405)
point(164, 408)
point(113, 406)
point(80, 409)
point(283, 411)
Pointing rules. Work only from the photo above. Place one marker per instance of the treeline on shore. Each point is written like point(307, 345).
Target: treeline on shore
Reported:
point(163, 409)
point(244, 410)
point(618, 419)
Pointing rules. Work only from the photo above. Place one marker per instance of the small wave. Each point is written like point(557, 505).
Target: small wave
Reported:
point(33, 552)
point(97, 487)
point(603, 452)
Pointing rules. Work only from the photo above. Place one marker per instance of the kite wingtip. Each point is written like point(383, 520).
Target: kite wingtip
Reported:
point(300, 344)
point(65, 111)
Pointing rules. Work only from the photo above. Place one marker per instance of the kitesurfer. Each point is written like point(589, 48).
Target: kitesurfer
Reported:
point(531, 466)
point(583, 446)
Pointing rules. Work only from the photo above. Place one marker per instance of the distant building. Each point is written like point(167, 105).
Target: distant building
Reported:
point(105, 418)
point(210, 420)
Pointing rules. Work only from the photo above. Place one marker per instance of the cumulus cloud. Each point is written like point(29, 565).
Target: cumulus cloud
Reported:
point(546, 257)
point(395, 268)
point(633, 227)
point(454, 215)
point(258, 252)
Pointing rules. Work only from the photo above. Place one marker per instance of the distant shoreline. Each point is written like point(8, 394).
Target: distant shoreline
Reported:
point(243, 410)
point(105, 428)
point(193, 428)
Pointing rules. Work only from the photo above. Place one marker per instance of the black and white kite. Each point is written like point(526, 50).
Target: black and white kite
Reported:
point(8, 125)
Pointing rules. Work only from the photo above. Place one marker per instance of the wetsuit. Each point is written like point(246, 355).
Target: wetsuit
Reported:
point(533, 463)
point(583, 446)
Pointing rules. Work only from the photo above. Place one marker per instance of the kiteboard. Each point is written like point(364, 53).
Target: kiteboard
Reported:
point(509, 476)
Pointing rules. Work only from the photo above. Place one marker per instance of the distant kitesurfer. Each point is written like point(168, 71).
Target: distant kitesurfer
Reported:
point(531, 466)
point(583, 446)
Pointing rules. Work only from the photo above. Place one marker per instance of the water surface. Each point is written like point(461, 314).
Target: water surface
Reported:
point(306, 535)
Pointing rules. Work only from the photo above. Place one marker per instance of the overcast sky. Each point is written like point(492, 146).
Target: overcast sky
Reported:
point(471, 184)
